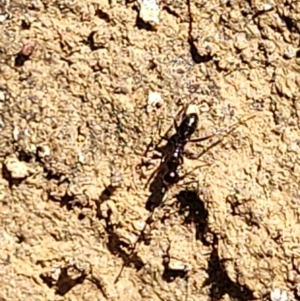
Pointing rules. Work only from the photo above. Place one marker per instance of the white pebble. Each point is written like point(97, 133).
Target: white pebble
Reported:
point(44, 151)
point(16, 168)
point(278, 295)
point(80, 157)
point(2, 96)
point(139, 225)
point(16, 133)
point(178, 265)
point(154, 98)
point(293, 147)
point(149, 11)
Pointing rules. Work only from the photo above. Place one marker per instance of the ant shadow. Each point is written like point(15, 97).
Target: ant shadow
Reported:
point(105, 195)
point(139, 22)
point(190, 202)
point(11, 181)
point(220, 283)
point(64, 282)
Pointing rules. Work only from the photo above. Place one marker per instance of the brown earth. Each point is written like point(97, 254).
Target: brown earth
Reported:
point(75, 126)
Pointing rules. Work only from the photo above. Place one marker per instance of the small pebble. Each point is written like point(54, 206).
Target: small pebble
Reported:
point(16, 133)
point(204, 108)
point(279, 295)
point(293, 147)
point(139, 225)
point(16, 168)
point(2, 95)
point(44, 151)
point(266, 7)
point(126, 237)
point(289, 52)
point(178, 265)
point(154, 100)
point(3, 17)
point(28, 48)
point(80, 157)
point(149, 11)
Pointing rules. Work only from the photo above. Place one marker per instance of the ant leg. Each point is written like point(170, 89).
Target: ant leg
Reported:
point(232, 128)
point(119, 274)
point(165, 136)
point(190, 154)
point(202, 138)
point(176, 126)
point(192, 182)
point(190, 172)
point(179, 113)
point(193, 155)
point(152, 144)
point(140, 239)
point(136, 245)
point(199, 155)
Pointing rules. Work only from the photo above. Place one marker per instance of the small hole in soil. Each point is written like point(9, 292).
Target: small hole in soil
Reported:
point(103, 15)
point(21, 238)
point(25, 25)
point(20, 60)
point(81, 216)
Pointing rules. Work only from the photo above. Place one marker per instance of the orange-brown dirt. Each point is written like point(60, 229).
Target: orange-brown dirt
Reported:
point(75, 124)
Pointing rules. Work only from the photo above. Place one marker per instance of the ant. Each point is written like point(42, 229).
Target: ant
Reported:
point(177, 144)
point(172, 159)
point(173, 152)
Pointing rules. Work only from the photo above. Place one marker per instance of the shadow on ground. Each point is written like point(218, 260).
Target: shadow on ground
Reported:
point(220, 283)
point(193, 208)
point(64, 283)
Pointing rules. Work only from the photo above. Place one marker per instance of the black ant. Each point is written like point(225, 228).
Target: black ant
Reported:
point(175, 149)
point(173, 156)
point(177, 143)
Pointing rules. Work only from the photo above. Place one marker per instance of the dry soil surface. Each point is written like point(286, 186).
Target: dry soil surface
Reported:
point(79, 161)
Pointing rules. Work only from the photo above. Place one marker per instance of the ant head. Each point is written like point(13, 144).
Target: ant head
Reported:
point(192, 109)
point(171, 177)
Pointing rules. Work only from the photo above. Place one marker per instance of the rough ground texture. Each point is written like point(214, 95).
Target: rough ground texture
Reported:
point(74, 194)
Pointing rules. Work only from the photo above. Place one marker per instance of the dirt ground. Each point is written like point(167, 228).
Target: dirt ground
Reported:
point(86, 88)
